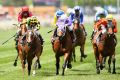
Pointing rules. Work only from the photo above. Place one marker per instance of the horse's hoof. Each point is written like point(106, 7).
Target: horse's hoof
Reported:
point(109, 71)
point(69, 66)
point(34, 73)
point(98, 71)
point(84, 56)
point(114, 72)
point(101, 67)
point(81, 60)
point(74, 60)
point(57, 73)
point(39, 66)
point(62, 74)
point(15, 64)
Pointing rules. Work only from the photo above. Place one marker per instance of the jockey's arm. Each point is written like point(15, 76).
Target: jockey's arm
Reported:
point(19, 17)
point(38, 26)
point(71, 17)
point(68, 22)
point(54, 20)
point(97, 24)
point(81, 18)
point(30, 14)
point(115, 25)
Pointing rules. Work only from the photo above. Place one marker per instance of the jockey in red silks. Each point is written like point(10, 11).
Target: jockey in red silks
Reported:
point(24, 14)
point(22, 17)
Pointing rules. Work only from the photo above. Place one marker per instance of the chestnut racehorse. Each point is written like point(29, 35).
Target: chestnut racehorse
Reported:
point(80, 39)
point(104, 48)
point(22, 32)
point(62, 46)
point(32, 48)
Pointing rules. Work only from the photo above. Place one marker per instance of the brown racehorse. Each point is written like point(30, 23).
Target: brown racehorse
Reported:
point(23, 30)
point(32, 48)
point(80, 39)
point(62, 46)
point(103, 48)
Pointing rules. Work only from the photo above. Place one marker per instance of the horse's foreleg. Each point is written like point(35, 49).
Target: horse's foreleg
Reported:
point(96, 53)
point(98, 66)
point(15, 63)
point(39, 65)
point(104, 61)
point(57, 64)
point(101, 61)
point(29, 66)
point(22, 62)
point(73, 57)
point(66, 56)
point(82, 53)
point(35, 66)
point(109, 63)
point(114, 60)
point(69, 61)
point(38, 61)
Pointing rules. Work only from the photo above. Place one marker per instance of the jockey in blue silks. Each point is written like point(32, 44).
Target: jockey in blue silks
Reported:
point(78, 14)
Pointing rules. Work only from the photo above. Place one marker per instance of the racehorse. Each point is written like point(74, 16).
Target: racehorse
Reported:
point(22, 31)
point(32, 48)
point(80, 39)
point(62, 46)
point(103, 48)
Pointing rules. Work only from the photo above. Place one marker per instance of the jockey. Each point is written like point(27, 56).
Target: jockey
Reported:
point(78, 14)
point(102, 13)
point(63, 20)
point(24, 14)
point(112, 22)
point(33, 22)
point(57, 15)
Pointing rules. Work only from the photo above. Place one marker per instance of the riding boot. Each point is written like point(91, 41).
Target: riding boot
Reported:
point(41, 39)
point(54, 35)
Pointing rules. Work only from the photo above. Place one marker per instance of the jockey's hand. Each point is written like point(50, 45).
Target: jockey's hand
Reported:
point(66, 25)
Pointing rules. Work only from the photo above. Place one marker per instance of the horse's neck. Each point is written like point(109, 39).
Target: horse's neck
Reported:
point(110, 40)
point(106, 40)
point(23, 30)
point(79, 31)
point(67, 35)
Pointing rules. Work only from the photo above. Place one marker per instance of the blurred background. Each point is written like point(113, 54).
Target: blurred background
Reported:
point(45, 9)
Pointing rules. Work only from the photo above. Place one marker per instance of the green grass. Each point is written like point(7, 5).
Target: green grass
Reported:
point(81, 70)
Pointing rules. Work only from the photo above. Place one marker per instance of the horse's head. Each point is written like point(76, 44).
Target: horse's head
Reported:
point(76, 24)
point(61, 30)
point(23, 27)
point(110, 27)
point(30, 36)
